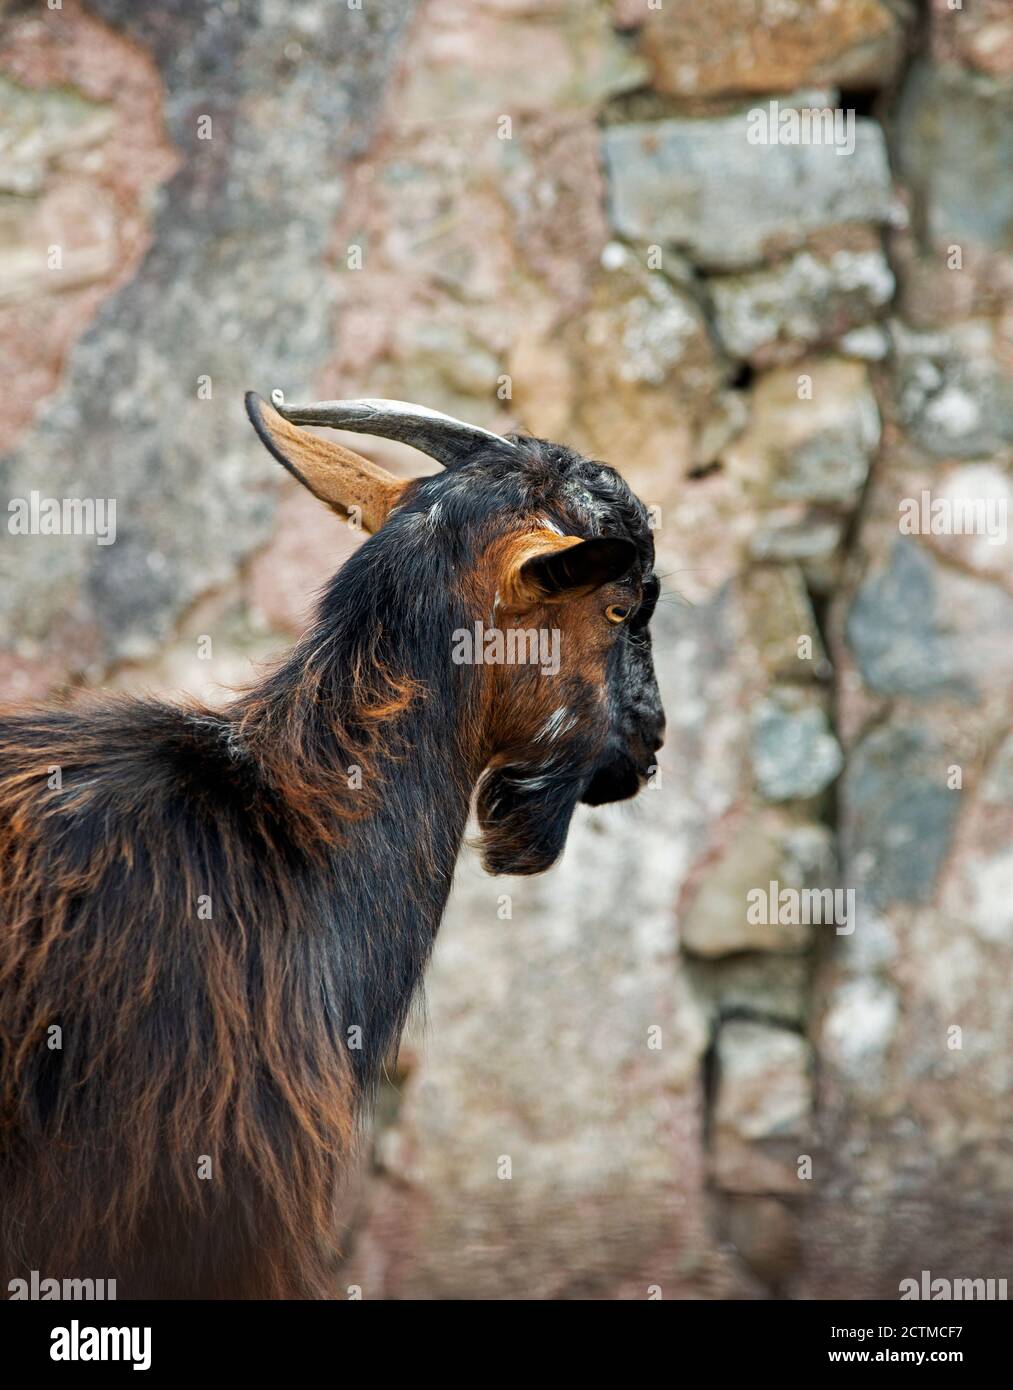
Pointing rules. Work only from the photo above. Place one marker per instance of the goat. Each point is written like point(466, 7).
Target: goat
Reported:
point(214, 921)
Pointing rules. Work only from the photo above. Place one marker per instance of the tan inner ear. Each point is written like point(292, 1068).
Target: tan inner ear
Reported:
point(338, 476)
point(516, 592)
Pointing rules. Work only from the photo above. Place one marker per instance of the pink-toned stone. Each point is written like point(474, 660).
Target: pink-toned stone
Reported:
point(978, 35)
point(93, 196)
point(764, 1231)
point(467, 59)
point(762, 1114)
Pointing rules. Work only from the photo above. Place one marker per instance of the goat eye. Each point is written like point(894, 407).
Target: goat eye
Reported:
point(616, 614)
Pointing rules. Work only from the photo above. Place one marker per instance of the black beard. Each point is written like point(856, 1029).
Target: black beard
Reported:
point(524, 828)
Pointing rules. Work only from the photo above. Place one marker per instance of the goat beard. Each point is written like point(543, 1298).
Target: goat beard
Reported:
point(524, 815)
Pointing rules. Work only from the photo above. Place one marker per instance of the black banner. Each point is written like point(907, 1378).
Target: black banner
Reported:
point(170, 1340)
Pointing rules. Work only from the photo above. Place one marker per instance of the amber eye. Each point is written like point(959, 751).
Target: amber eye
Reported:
point(616, 614)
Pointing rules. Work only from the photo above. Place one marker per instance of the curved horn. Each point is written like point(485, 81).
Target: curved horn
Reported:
point(443, 438)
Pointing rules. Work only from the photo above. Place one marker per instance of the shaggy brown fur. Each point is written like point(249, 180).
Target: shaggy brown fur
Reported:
point(214, 922)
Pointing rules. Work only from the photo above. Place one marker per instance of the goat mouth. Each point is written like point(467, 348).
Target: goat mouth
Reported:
point(615, 782)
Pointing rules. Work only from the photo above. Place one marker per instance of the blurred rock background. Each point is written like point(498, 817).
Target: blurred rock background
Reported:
point(546, 214)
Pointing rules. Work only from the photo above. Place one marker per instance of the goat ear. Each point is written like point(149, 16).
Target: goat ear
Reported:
point(549, 568)
point(340, 478)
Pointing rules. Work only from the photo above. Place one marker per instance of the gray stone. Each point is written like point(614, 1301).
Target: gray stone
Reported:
point(794, 752)
point(951, 392)
point(810, 854)
point(656, 326)
point(688, 184)
point(955, 149)
point(921, 629)
point(831, 466)
point(898, 817)
point(806, 301)
point(814, 429)
point(810, 537)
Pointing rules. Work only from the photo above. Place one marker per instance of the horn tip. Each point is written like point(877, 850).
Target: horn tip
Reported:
point(258, 411)
point(254, 404)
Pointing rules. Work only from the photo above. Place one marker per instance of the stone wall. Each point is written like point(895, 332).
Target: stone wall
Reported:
point(551, 215)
